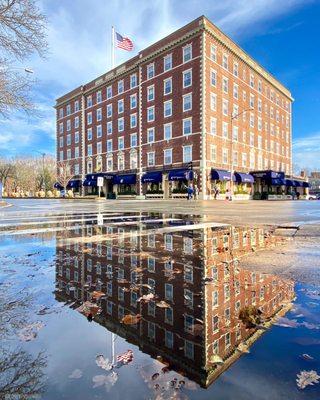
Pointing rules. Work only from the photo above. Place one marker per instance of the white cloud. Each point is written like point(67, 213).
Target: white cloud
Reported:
point(80, 45)
point(306, 152)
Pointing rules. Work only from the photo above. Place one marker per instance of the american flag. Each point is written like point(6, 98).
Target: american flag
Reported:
point(123, 42)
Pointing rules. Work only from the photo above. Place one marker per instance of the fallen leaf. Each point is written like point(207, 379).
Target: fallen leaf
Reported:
point(103, 363)
point(76, 374)
point(131, 319)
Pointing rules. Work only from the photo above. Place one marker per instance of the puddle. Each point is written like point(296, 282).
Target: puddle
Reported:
point(150, 306)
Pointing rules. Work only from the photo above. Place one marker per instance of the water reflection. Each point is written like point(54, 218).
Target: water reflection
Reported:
point(191, 303)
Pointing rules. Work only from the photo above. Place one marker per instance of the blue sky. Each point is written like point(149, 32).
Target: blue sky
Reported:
point(282, 35)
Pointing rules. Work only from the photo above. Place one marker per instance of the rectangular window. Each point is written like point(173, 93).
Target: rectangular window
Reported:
point(167, 86)
point(213, 126)
point(225, 128)
point(89, 118)
point(68, 125)
point(121, 143)
point(109, 110)
point(61, 141)
point(109, 145)
point(150, 135)
point(150, 114)
point(61, 113)
point(187, 53)
point(187, 126)
point(61, 127)
point(167, 131)
point(150, 93)
point(76, 137)
point(99, 97)
point(68, 140)
point(109, 92)
point(133, 120)
point(89, 133)
point(120, 86)
point(167, 109)
point(235, 69)
point(235, 133)
point(187, 153)
point(133, 81)
point(151, 159)
point(167, 62)
point(167, 156)
point(109, 127)
point(213, 77)
point(89, 101)
point(99, 131)
point(150, 71)
point(99, 148)
point(133, 101)
point(236, 91)
point(213, 153)
point(213, 101)
point(225, 85)
point(120, 124)
point(76, 122)
point(225, 107)
point(225, 61)
point(99, 114)
point(133, 140)
point(120, 106)
point(213, 52)
point(187, 78)
point(109, 164)
point(225, 158)
point(187, 102)
point(89, 150)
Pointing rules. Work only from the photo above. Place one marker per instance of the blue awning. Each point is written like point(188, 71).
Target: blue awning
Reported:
point(289, 182)
point(277, 182)
point(269, 174)
point(305, 184)
point(297, 183)
point(152, 177)
point(129, 179)
point(74, 183)
point(180, 175)
point(88, 182)
point(220, 175)
point(57, 185)
point(243, 178)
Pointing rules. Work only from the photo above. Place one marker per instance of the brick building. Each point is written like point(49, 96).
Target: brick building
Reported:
point(190, 108)
point(193, 272)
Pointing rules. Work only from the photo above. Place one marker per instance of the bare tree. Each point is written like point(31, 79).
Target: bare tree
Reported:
point(7, 171)
point(64, 173)
point(22, 33)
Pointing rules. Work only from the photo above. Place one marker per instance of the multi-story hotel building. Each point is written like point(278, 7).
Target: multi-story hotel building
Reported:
point(190, 108)
point(194, 275)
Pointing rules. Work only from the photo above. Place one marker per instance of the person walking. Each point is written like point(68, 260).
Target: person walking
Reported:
point(190, 192)
point(216, 192)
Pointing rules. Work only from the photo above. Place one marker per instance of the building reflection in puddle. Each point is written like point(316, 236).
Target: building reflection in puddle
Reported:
point(191, 303)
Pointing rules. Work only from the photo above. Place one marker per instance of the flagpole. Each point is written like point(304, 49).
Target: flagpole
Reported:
point(113, 49)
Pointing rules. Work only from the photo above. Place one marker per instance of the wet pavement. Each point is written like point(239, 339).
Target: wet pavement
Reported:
point(150, 305)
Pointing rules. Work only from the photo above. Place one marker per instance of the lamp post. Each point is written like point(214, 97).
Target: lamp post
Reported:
point(232, 117)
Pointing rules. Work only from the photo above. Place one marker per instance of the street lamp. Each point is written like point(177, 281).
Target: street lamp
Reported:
point(232, 117)
point(25, 69)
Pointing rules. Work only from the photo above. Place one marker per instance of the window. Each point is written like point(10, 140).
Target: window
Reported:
point(61, 155)
point(133, 101)
point(225, 156)
point(187, 102)
point(167, 156)
point(121, 143)
point(187, 153)
point(167, 86)
point(68, 125)
point(213, 102)
point(89, 150)
point(109, 110)
point(120, 162)
point(168, 291)
point(99, 148)
point(150, 114)
point(225, 85)
point(61, 141)
point(150, 71)
point(187, 78)
point(213, 52)
point(225, 61)
point(187, 53)
point(213, 77)
point(167, 62)
point(99, 97)
point(251, 100)
point(76, 137)
point(213, 126)
point(76, 169)
point(251, 80)
point(76, 122)
point(89, 101)
point(68, 109)
point(99, 131)
point(109, 92)
point(189, 349)
point(120, 106)
point(99, 114)
point(168, 339)
point(251, 120)
point(213, 153)
point(235, 69)
point(150, 93)
point(244, 159)
point(167, 109)
point(89, 119)
point(235, 158)
point(120, 124)
point(120, 86)
point(109, 145)
point(151, 158)
point(133, 81)
point(167, 131)
point(89, 134)
point(235, 91)
point(133, 160)
point(61, 113)
point(225, 107)
point(150, 135)
point(225, 129)
point(133, 120)
point(109, 127)
point(61, 127)
point(235, 133)
point(133, 140)
point(187, 126)
point(109, 164)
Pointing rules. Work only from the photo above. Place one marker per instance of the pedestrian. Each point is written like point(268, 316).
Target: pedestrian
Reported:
point(216, 192)
point(196, 192)
point(298, 195)
point(190, 192)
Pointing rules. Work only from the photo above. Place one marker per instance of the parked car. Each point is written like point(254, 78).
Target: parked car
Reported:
point(313, 196)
